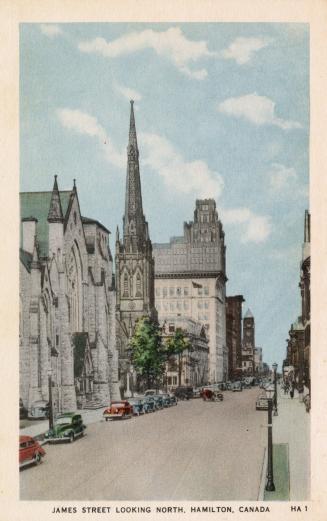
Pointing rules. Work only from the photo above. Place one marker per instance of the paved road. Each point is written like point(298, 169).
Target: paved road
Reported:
point(195, 451)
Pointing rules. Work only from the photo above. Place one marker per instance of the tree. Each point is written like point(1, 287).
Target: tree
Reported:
point(147, 354)
point(175, 345)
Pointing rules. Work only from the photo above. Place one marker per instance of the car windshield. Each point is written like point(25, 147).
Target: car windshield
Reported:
point(63, 420)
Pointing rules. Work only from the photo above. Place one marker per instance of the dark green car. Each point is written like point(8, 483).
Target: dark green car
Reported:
point(67, 427)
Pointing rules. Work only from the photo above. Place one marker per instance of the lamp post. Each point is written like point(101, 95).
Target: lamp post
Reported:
point(274, 366)
point(51, 422)
point(270, 487)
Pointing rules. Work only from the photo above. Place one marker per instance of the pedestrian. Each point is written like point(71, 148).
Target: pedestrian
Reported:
point(292, 390)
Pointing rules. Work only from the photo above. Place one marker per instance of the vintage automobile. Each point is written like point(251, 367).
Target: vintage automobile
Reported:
point(212, 395)
point(118, 410)
point(137, 405)
point(166, 400)
point(196, 392)
point(261, 403)
point(173, 399)
point(39, 410)
point(237, 386)
point(67, 427)
point(184, 393)
point(158, 401)
point(149, 404)
point(30, 451)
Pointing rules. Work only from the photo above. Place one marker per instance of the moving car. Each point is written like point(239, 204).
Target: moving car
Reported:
point(237, 386)
point(30, 451)
point(120, 409)
point(261, 403)
point(137, 405)
point(67, 427)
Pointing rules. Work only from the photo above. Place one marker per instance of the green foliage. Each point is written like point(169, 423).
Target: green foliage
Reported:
point(178, 343)
point(147, 355)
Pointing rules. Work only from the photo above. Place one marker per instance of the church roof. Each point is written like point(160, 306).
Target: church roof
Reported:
point(26, 258)
point(248, 314)
point(37, 204)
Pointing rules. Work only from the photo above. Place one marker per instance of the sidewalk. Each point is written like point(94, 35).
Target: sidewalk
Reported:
point(292, 428)
point(37, 430)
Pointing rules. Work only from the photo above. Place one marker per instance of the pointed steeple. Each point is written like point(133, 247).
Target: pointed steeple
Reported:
point(55, 214)
point(134, 221)
point(248, 314)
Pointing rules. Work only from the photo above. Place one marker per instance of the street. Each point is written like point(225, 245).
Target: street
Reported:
point(197, 450)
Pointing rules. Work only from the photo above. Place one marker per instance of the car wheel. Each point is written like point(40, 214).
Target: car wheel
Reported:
point(71, 437)
point(37, 458)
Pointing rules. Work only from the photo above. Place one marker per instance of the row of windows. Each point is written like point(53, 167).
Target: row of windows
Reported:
point(179, 292)
point(179, 305)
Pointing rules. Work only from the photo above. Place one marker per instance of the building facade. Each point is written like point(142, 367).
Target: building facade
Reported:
point(192, 364)
point(134, 261)
point(190, 281)
point(234, 335)
point(248, 347)
point(67, 304)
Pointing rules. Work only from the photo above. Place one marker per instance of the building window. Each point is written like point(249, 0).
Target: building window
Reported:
point(171, 292)
point(179, 306)
point(138, 286)
point(158, 306)
point(206, 290)
point(178, 292)
point(157, 292)
point(125, 294)
point(171, 328)
point(185, 304)
point(200, 291)
point(171, 306)
point(165, 305)
point(164, 292)
point(206, 305)
point(174, 380)
point(186, 292)
point(200, 304)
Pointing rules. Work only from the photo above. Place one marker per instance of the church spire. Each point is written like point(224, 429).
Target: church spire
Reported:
point(55, 214)
point(134, 221)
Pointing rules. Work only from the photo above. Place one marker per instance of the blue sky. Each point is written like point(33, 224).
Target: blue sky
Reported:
point(222, 110)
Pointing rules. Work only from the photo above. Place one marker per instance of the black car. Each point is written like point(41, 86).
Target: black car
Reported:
point(184, 393)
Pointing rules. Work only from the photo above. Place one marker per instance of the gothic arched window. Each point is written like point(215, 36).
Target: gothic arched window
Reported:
point(138, 285)
point(125, 292)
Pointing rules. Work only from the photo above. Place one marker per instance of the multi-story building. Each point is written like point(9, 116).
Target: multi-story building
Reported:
point(134, 260)
point(234, 335)
point(192, 364)
point(190, 281)
point(248, 346)
point(67, 304)
point(258, 362)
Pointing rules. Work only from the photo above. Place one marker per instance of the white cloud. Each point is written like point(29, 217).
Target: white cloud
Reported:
point(50, 30)
point(242, 49)
point(255, 228)
point(128, 93)
point(259, 110)
point(171, 44)
point(193, 177)
point(281, 176)
point(84, 123)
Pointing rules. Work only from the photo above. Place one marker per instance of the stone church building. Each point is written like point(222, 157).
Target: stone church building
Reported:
point(134, 262)
point(67, 304)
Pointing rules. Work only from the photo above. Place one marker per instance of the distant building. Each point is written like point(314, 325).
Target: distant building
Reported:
point(134, 260)
point(194, 361)
point(258, 362)
point(67, 304)
point(190, 280)
point(234, 334)
point(248, 348)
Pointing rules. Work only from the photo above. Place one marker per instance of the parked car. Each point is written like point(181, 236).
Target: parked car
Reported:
point(229, 386)
point(23, 413)
point(261, 403)
point(152, 392)
point(120, 409)
point(39, 410)
point(149, 404)
point(196, 392)
point(184, 393)
point(213, 395)
point(67, 427)
point(30, 451)
point(237, 386)
point(158, 401)
point(166, 400)
point(137, 406)
point(173, 399)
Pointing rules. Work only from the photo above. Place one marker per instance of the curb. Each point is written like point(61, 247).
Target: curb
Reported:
point(263, 476)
